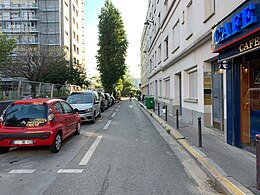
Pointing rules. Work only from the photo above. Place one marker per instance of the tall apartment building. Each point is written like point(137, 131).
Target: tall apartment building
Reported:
point(184, 42)
point(46, 22)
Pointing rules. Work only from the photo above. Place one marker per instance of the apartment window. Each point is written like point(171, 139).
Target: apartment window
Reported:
point(193, 83)
point(66, 18)
point(160, 88)
point(209, 8)
point(75, 48)
point(183, 17)
point(73, 20)
point(155, 59)
point(159, 19)
point(167, 87)
point(159, 53)
point(166, 5)
point(176, 36)
point(77, 25)
point(74, 60)
point(150, 65)
point(189, 24)
point(66, 33)
point(166, 48)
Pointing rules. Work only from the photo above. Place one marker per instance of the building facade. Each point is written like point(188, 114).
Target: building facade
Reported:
point(180, 61)
point(46, 22)
point(236, 39)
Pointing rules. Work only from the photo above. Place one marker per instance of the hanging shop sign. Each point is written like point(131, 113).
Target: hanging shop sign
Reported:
point(238, 26)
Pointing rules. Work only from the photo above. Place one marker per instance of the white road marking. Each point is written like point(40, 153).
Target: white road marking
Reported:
point(130, 106)
point(86, 158)
point(118, 106)
point(70, 171)
point(22, 171)
point(107, 125)
point(116, 109)
point(113, 115)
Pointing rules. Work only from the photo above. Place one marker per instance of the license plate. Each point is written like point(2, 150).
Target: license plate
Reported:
point(22, 142)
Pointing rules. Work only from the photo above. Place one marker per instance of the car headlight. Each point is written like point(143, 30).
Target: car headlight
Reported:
point(88, 110)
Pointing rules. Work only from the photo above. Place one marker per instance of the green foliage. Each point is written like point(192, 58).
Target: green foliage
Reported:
point(126, 84)
point(112, 46)
point(6, 47)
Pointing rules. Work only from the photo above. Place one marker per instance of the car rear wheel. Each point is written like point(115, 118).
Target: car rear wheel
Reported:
point(78, 128)
point(55, 147)
point(4, 150)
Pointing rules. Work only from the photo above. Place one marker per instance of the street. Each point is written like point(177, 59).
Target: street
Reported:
point(124, 152)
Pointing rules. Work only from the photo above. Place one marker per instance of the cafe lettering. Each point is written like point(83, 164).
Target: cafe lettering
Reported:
point(240, 21)
point(251, 44)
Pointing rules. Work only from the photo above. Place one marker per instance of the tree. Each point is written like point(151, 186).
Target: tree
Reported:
point(113, 45)
point(6, 47)
point(45, 64)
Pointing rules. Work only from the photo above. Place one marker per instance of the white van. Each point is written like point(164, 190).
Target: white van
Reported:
point(88, 103)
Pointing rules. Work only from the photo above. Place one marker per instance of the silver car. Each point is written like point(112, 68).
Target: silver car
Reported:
point(88, 103)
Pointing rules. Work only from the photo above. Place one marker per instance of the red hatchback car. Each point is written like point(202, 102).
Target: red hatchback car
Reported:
point(38, 122)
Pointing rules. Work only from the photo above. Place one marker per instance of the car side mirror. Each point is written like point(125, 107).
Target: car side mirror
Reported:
point(76, 110)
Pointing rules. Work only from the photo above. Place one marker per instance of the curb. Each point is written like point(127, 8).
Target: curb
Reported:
point(220, 181)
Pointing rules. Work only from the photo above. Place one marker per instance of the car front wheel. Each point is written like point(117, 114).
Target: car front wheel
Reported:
point(55, 147)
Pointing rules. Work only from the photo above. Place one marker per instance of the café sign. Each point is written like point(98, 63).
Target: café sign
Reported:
point(242, 20)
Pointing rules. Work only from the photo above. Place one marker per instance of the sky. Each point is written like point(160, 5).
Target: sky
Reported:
point(133, 13)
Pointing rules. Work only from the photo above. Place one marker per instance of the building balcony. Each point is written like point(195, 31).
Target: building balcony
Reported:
point(19, 30)
point(18, 6)
point(7, 19)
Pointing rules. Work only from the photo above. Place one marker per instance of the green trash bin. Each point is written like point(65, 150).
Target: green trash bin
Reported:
point(149, 102)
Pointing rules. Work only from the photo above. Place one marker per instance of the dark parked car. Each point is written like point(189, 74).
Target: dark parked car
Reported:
point(109, 99)
point(103, 101)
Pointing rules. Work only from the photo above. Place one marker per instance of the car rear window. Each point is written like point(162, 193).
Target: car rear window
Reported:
point(27, 115)
point(80, 99)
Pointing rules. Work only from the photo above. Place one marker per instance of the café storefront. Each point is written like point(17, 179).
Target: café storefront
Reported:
point(237, 41)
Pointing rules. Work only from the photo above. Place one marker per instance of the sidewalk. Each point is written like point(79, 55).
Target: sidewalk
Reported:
point(232, 169)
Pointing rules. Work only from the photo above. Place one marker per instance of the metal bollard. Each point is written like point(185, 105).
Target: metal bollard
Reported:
point(257, 136)
point(158, 109)
point(177, 119)
point(165, 112)
point(199, 132)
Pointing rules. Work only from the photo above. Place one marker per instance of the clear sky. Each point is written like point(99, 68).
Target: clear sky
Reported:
point(133, 13)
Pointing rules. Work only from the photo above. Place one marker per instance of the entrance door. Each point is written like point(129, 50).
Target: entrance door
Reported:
point(217, 101)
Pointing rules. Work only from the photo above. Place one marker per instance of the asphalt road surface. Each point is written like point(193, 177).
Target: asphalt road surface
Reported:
point(124, 152)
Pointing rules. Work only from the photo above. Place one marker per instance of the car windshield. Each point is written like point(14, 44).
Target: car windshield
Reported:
point(80, 99)
point(27, 115)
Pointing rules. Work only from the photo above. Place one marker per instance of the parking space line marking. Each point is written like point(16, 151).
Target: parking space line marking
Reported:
point(107, 125)
point(22, 171)
point(86, 158)
point(70, 171)
point(113, 115)
point(116, 109)
point(118, 106)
